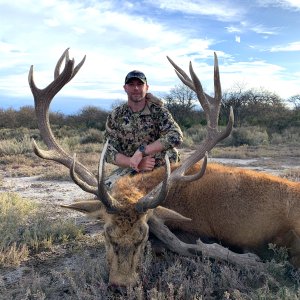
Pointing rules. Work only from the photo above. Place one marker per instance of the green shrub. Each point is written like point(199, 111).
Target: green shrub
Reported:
point(195, 133)
point(69, 144)
point(92, 136)
point(252, 136)
point(290, 135)
point(15, 146)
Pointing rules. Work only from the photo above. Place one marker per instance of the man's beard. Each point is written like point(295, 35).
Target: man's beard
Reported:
point(137, 98)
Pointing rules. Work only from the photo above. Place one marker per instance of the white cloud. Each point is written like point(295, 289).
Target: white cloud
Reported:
point(222, 10)
point(113, 41)
point(260, 74)
point(264, 30)
point(285, 4)
point(233, 29)
point(295, 46)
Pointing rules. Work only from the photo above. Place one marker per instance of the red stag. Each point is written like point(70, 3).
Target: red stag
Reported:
point(225, 204)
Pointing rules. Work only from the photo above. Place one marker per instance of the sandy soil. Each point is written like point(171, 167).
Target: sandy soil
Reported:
point(45, 191)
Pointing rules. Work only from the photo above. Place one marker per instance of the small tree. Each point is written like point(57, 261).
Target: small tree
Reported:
point(295, 100)
point(181, 103)
point(257, 108)
point(92, 117)
point(26, 117)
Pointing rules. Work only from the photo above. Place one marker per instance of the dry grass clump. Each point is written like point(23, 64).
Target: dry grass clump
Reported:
point(15, 146)
point(21, 165)
point(25, 227)
point(163, 277)
point(292, 174)
point(31, 165)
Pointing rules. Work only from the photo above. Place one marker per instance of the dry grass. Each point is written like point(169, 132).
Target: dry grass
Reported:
point(245, 151)
point(15, 146)
point(31, 165)
point(167, 276)
point(25, 227)
point(292, 174)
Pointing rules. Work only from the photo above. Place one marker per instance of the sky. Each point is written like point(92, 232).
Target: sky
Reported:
point(257, 43)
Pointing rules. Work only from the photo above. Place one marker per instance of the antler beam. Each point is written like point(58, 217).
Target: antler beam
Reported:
point(42, 101)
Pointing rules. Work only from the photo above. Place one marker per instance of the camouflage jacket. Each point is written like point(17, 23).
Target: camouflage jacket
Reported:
point(127, 130)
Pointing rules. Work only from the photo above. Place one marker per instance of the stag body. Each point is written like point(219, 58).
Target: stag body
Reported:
point(240, 208)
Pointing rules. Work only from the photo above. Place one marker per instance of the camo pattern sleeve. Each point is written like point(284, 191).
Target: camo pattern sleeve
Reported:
point(127, 130)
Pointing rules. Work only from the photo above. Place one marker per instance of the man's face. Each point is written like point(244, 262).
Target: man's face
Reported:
point(136, 90)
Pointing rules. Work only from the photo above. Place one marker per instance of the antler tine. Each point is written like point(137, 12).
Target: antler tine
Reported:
point(217, 81)
point(65, 56)
point(189, 178)
point(42, 101)
point(182, 75)
point(199, 90)
point(82, 184)
point(211, 106)
point(112, 206)
point(152, 200)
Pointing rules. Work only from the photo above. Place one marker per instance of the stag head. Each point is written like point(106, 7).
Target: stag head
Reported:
point(128, 218)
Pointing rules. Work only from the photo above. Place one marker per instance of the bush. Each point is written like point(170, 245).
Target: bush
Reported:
point(252, 136)
point(18, 134)
point(196, 133)
point(15, 146)
point(92, 136)
point(289, 135)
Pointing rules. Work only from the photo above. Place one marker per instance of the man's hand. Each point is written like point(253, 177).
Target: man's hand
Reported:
point(140, 163)
point(135, 159)
point(147, 164)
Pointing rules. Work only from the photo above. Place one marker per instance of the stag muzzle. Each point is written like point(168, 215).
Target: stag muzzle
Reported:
point(124, 266)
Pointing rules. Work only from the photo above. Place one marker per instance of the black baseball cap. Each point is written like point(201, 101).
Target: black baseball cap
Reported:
point(136, 74)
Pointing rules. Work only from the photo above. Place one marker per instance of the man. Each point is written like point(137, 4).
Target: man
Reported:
point(141, 131)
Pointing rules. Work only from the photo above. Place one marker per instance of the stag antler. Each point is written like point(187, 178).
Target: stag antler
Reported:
point(42, 100)
point(85, 179)
point(211, 107)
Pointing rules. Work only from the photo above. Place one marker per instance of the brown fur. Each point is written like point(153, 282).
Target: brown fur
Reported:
point(237, 207)
point(126, 235)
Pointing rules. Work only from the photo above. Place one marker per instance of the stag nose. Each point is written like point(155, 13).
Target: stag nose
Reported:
point(117, 288)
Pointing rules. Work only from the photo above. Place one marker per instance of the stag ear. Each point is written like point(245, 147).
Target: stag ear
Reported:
point(166, 214)
point(93, 208)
